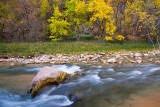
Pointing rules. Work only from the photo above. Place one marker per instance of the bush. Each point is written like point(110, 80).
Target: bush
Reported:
point(120, 38)
point(107, 38)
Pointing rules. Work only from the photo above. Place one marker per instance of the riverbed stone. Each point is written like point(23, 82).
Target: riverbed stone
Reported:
point(112, 60)
point(73, 74)
point(146, 54)
point(12, 64)
point(77, 73)
point(120, 62)
point(139, 61)
point(1, 60)
point(138, 55)
point(117, 56)
point(46, 76)
point(90, 58)
point(131, 54)
point(132, 61)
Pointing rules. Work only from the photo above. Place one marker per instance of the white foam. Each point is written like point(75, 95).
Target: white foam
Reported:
point(33, 69)
point(55, 100)
point(110, 70)
point(65, 68)
point(136, 73)
point(155, 69)
point(94, 77)
point(121, 73)
point(109, 79)
point(97, 66)
point(52, 89)
point(9, 100)
point(6, 95)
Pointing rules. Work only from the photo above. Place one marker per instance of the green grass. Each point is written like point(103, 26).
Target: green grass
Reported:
point(26, 49)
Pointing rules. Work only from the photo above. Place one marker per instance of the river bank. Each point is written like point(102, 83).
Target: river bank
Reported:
point(116, 58)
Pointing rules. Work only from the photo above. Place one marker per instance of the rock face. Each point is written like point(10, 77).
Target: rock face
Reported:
point(46, 76)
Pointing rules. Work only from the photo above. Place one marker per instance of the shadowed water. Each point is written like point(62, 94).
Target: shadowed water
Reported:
point(102, 86)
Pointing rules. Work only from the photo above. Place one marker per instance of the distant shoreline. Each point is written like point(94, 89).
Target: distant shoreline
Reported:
point(116, 58)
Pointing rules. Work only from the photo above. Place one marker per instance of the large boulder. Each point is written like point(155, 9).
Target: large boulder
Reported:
point(46, 76)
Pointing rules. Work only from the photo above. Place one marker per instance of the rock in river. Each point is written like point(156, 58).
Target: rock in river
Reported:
point(46, 76)
point(76, 96)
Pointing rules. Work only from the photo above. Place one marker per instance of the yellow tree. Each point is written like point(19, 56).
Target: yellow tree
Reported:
point(140, 18)
point(102, 17)
point(58, 26)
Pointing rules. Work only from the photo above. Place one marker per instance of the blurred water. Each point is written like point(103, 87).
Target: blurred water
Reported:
point(102, 86)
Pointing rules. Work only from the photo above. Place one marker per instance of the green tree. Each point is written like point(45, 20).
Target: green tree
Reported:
point(75, 13)
point(58, 26)
point(44, 8)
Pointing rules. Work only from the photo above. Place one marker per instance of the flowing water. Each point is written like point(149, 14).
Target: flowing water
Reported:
point(102, 86)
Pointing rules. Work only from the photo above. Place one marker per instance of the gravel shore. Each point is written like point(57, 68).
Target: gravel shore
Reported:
point(117, 58)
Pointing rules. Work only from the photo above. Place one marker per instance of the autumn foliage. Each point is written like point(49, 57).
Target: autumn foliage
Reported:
point(59, 19)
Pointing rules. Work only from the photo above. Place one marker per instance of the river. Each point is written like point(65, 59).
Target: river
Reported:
point(102, 86)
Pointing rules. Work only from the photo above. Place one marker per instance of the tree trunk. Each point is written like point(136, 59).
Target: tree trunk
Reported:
point(102, 30)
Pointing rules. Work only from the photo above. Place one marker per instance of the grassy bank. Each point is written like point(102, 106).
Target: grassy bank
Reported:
point(20, 49)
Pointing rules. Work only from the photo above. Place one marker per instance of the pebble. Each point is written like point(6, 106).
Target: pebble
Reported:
point(117, 56)
point(132, 61)
point(12, 64)
point(146, 54)
point(131, 54)
point(138, 55)
point(139, 61)
point(112, 60)
point(120, 62)
point(1, 60)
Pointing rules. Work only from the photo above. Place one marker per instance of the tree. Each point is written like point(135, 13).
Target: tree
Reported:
point(140, 18)
point(21, 21)
point(102, 17)
point(3, 16)
point(44, 8)
point(75, 13)
point(58, 26)
point(119, 7)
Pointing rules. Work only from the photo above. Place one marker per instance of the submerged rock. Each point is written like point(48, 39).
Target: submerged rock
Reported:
point(76, 96)
point(77, 73)
point(46, 76)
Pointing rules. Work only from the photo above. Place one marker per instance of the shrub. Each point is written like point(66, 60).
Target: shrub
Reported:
point(120, 38)
point(96, 37)
point(54, 38)
point(131, 38)
point(107, 38)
